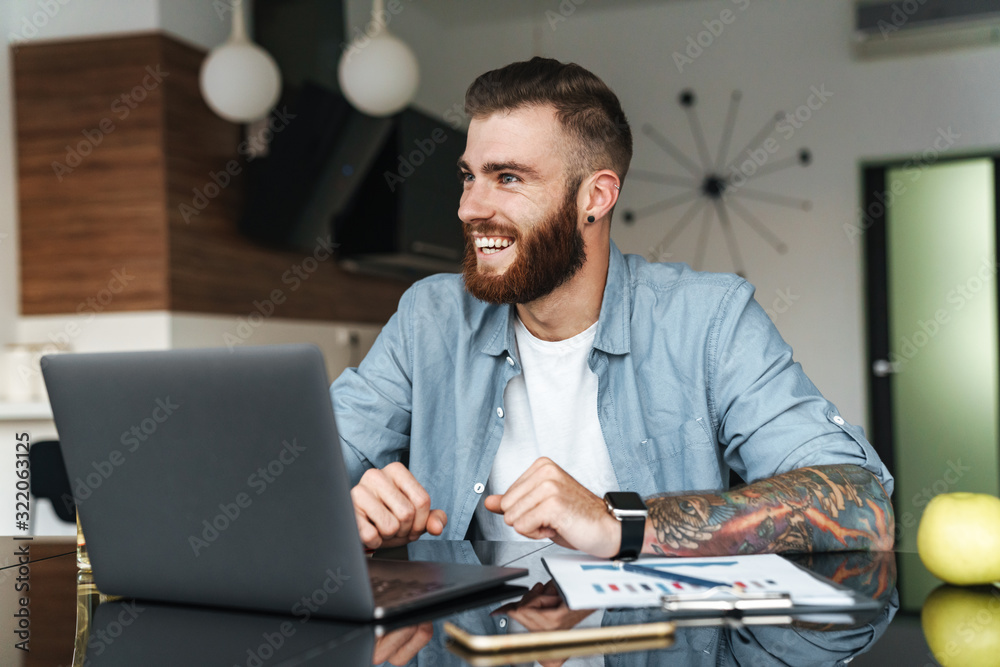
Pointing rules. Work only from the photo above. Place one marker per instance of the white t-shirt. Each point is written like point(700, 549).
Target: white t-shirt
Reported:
point(550, 409)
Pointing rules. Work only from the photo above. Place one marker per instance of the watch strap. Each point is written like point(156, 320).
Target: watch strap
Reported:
point(633, 532)
point(630, 511)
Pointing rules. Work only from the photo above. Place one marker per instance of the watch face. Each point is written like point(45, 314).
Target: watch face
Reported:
point(625, 500)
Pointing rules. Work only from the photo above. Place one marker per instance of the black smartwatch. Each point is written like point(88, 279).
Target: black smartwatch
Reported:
point(628, 508)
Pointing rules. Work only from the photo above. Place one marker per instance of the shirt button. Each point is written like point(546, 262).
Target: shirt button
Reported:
point(838, 420)
point(500, 413)
point(503, 623)
point(479, 487)
point(510, 360)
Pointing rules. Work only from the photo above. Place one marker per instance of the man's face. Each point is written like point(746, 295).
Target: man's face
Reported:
point(519, 214)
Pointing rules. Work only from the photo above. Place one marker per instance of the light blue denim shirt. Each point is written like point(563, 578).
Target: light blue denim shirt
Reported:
point(693, 379)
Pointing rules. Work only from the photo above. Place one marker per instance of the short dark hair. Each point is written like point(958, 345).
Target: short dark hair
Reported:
point(587, 109)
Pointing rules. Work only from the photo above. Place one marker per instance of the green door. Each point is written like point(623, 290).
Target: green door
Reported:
point(935, 378)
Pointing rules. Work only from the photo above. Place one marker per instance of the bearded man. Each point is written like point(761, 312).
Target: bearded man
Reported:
point(504, 403)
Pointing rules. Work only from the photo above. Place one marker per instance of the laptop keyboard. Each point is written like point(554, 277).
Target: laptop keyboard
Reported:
point(395, 590)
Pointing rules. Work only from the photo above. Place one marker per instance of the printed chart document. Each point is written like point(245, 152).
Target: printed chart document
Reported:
point(587, 582)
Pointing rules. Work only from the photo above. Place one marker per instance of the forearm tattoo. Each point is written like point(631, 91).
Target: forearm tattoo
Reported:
point(822, 508)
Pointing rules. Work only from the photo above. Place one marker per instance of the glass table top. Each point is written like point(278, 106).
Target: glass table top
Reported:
point(71, 623)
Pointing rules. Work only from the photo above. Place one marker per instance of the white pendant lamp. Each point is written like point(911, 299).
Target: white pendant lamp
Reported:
point(378, 72)
point(239, 80)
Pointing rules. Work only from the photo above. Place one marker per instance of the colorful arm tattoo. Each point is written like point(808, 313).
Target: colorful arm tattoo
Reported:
point(822, 508)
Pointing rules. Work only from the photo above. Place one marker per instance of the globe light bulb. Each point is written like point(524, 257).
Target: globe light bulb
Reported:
point(239, 80)
point(379, 75)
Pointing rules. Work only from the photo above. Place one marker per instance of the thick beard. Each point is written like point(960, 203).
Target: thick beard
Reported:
point(547, 257)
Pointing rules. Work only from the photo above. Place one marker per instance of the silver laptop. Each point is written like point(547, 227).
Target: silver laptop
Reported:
point(216, 477)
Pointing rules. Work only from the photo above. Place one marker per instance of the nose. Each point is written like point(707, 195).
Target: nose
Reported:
point(475, 204)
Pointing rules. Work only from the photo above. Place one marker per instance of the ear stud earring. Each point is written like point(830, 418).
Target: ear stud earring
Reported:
point(590, 218)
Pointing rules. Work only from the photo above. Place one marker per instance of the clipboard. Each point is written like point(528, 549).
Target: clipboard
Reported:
point(730, 585)
point(747, 606)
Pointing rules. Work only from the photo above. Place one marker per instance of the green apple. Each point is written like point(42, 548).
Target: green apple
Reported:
point(959, 538)
point(962, 625)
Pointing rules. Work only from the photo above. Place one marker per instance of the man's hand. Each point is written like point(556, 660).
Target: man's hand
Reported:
point(400, 646)
point(392, 508)
point(543, 609)
point(546, 502)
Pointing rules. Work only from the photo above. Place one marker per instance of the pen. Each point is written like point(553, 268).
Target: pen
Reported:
point(673, 576)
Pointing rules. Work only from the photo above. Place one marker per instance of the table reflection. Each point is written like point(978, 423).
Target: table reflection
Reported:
point(123, 632)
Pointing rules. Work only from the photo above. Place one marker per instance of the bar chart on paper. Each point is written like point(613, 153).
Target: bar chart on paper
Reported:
point(590, 583)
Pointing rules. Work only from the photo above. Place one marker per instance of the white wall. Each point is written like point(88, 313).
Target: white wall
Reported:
point(775, 52)
point(201, 22)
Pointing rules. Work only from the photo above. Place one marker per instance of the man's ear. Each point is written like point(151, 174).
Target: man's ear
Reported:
point(599, 195)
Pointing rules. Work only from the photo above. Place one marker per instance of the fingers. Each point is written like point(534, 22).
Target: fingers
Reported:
point(538, 516)
point(400, 646)
point(530, 508)
point(436, 522)
point(392, 507)
point(546, 502)
point(525, 600)
point(541, 479)
point(543, 468)
point(375, 521)
point(492, 503)
point(411, 502)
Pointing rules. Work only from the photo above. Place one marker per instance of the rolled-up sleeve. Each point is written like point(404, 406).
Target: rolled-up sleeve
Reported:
point(372, 403)
point(769, 416)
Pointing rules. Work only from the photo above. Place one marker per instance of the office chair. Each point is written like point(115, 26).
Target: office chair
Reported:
point(49, 478)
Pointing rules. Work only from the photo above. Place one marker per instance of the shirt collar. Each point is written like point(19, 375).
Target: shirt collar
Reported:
point(496, 335)
point(616, 307)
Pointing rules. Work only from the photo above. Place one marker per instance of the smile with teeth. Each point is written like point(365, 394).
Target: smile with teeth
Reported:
point(492, 244)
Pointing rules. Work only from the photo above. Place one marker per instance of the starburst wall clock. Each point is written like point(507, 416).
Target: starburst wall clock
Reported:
point(715, 189)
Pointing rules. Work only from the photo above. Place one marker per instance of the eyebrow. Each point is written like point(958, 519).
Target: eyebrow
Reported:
point(497, 167)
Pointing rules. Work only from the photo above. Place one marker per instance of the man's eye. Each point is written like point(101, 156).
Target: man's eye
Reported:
point(465, 177)
point(508, 178)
